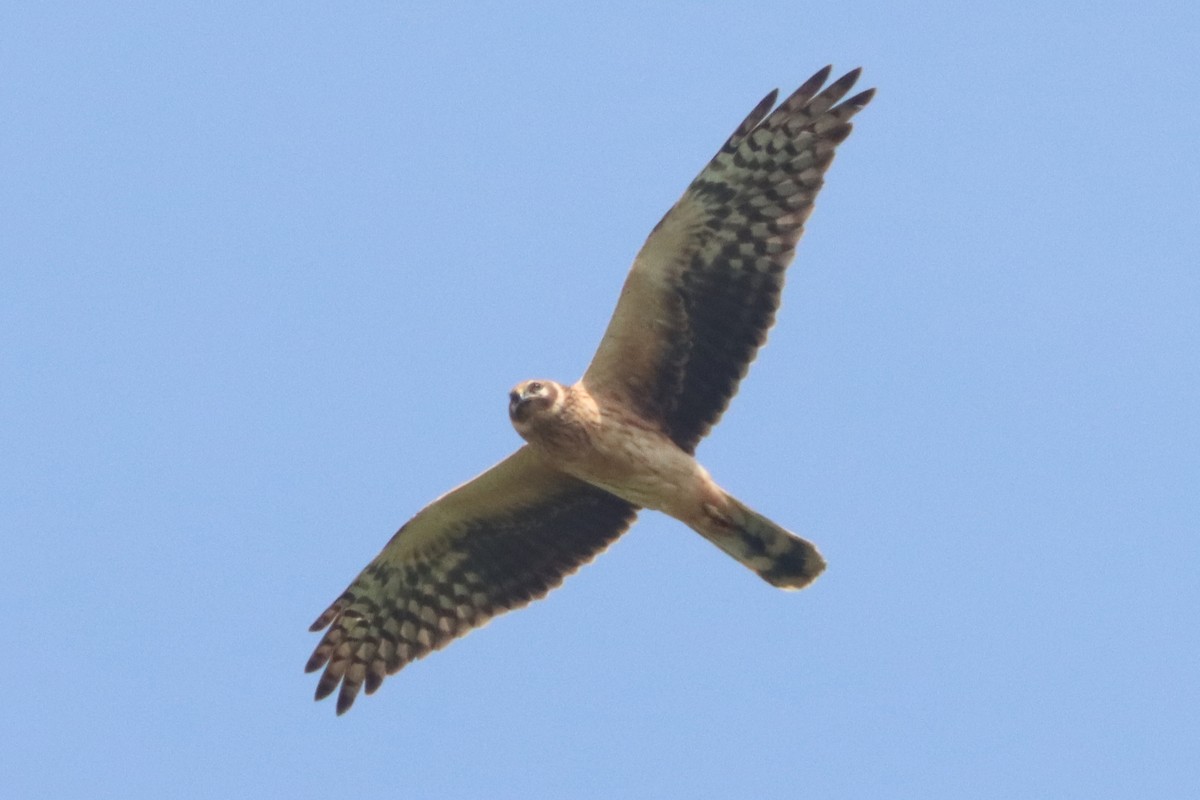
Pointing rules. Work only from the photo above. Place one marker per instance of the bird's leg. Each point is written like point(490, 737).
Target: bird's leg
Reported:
point(720, 519)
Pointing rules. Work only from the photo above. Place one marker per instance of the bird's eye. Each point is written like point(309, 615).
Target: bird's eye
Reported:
point(536, 386)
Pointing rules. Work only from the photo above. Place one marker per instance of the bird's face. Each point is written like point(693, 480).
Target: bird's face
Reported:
point(529, 398)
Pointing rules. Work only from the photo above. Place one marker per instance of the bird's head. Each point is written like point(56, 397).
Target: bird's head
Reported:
point(528, 399)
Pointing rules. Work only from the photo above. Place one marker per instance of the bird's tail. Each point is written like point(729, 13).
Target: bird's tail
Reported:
point(780, 557)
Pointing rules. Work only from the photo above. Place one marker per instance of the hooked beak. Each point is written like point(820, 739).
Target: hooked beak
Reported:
point(516, 405)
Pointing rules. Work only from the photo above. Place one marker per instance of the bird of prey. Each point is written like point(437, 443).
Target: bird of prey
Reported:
point(693, 312)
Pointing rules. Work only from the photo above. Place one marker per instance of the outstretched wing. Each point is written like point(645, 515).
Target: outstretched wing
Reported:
point(704, 289)
point(491, 545)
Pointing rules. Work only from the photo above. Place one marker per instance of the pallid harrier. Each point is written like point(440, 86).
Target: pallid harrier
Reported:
point(693, 312)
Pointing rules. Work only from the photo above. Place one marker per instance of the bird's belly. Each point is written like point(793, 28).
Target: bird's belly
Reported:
point(641, 466)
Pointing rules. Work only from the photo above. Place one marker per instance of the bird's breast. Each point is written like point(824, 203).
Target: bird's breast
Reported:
point(635, 462)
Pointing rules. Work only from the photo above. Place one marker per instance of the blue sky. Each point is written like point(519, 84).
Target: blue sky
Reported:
point(269, 272)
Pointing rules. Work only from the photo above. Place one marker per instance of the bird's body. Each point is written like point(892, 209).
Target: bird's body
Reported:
point(601, 442)
point(694, 310)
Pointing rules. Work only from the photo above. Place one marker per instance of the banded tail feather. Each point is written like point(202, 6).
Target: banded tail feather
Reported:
point(777, 555)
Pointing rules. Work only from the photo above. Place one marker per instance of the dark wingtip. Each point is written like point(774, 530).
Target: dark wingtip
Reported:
point(346, 697)
point(813, 84)
point(861, 99)
point(836, 90)
point(315, 661)
point(327, 616)
point(756, 116)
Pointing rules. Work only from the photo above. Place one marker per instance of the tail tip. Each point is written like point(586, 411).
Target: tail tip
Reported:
point(798, 567)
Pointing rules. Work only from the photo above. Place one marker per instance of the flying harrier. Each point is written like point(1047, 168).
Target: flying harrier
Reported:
point(694, 310)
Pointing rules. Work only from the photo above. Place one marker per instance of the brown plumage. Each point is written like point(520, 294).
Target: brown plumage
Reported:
point(704, 289)
point(493, 544)
point(694, 310)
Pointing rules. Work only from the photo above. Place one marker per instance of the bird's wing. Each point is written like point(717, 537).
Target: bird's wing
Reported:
point(493, 544)
point(704, 288)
